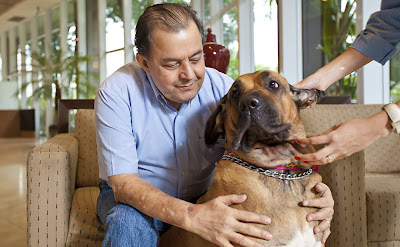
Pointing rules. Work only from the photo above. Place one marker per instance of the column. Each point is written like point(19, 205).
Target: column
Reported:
point(246, 36)
point(102, 5)
point(290, 40)
point(127, 20)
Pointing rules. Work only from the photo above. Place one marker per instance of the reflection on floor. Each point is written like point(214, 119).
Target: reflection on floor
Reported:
point(13, 157)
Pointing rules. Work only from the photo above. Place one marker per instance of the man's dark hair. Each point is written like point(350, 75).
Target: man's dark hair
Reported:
point(173, 17)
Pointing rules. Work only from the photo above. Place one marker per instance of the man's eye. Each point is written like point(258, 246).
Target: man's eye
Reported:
point(172, 65)
point(195, 60)
point(273, 85)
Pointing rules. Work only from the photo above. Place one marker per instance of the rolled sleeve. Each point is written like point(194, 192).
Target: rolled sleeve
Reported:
point(116, 145)
point(380, 37)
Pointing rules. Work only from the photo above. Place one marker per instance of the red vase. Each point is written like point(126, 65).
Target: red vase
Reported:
point(215, 56)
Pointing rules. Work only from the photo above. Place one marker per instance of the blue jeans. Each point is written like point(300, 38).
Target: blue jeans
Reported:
point(124, 225)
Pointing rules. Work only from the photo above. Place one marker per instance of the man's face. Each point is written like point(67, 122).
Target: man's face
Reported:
point(176, 63)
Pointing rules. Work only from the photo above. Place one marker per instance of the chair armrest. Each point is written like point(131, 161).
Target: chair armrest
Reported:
point(51, 183)
point(346, 179)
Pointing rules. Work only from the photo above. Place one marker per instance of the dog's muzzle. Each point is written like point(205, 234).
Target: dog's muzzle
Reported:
point(258, 121)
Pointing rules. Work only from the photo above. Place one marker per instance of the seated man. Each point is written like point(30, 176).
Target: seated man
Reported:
point(150, 119)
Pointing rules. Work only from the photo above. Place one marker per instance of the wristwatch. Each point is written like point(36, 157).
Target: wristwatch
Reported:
point(394, 113)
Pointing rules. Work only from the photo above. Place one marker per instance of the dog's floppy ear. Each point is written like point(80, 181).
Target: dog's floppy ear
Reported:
point(304, 98)
point(215, 124)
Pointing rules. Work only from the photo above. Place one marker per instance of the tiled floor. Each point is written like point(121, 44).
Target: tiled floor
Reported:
point(13, 156)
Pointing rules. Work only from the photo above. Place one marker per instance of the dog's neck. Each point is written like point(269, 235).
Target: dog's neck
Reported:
point(289, 166)
point(276, 155)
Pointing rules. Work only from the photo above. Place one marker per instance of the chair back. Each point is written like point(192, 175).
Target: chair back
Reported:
point(85, 133)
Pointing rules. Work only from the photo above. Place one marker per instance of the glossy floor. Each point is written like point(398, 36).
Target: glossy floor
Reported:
point(13, 157)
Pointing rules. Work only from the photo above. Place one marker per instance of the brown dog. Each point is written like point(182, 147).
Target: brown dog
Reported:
point(259, 117)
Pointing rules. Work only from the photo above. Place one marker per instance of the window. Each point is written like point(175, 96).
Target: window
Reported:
point(266, 35)
point(114, 36)
point(324, 40)
point(231, 41)
point(138, 7)
point(395, 76)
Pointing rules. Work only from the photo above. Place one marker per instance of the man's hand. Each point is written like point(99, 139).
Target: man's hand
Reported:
point(216, 222)
point(324, 215)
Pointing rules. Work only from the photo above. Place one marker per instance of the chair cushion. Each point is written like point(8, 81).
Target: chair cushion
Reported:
point(384, 244)
point(85, 228)
point(383, 210)
point(85, 133)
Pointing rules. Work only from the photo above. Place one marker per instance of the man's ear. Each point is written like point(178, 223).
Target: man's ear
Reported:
point(305, 98)
point(142, 60)
point(215, 124)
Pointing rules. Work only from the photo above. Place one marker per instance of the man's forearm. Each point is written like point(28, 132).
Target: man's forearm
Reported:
point(138, 193)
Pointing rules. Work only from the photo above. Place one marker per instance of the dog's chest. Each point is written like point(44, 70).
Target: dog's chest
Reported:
point(305, 239)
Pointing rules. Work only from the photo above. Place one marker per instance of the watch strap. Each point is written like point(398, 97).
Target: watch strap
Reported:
point(394, 114)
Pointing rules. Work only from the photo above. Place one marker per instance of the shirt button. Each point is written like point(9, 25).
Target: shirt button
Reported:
point(181, 144)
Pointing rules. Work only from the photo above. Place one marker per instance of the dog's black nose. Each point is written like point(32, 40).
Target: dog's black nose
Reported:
point(249, 103)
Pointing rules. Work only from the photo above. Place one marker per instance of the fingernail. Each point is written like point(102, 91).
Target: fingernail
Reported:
point(267, 220)
point(306, 162)
point(310, 218)
point(317, 230)
point(305, 203)
point(268, 236)
point(317, 135)
point(297, 158)
point(298, 141)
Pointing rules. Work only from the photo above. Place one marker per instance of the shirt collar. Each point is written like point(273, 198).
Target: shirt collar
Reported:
point(159, 96)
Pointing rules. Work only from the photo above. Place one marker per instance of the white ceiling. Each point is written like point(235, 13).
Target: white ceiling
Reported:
point(23, 8)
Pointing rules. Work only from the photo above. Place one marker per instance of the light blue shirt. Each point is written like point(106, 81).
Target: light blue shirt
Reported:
point(138, 131)
point(382, 33)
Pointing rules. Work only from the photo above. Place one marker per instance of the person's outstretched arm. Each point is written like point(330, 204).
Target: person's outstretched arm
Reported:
point(347, 62)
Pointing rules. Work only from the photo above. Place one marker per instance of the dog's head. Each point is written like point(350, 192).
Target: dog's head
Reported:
point(260, 110)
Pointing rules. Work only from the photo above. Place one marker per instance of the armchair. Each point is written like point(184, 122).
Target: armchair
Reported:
point(62, 188)
point(63, 178)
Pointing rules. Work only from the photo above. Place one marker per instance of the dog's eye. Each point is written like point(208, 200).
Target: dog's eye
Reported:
point(273, 85)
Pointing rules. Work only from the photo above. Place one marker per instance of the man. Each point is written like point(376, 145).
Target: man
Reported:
point(150, 120)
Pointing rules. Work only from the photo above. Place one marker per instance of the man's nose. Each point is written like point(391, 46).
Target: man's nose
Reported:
point(187, 71)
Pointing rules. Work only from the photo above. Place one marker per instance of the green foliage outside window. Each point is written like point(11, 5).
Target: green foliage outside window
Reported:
point(114, 9)
point(337, 27)
point(395, 77)
point(230, 37)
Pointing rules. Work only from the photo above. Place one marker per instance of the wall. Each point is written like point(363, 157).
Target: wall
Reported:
point(8, 100)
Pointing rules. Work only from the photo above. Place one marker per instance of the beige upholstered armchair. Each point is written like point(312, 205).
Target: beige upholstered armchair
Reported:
point(62, 188)
point(63, 179)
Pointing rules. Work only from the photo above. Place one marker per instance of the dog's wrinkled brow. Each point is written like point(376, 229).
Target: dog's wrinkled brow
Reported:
point(264, 75)
point(237, 83)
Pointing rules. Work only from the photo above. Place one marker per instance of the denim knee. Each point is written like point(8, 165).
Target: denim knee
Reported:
point(125, 226)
